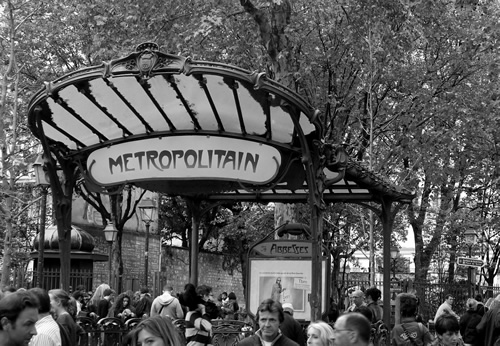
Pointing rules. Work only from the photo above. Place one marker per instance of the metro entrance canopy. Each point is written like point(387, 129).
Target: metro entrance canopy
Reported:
point(201, 130)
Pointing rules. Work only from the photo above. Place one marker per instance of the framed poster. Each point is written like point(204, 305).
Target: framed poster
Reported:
point(287, 281)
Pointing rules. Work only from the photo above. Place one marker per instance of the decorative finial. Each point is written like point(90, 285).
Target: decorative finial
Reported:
point(147, 46)
point(147, 58)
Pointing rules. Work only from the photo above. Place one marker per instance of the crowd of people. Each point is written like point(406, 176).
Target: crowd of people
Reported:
point(37, 317)
point(478, 326)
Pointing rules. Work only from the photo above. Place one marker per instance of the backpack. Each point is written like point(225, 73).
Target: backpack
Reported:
point(421, 332)
point(65, 339)
point(159, 312)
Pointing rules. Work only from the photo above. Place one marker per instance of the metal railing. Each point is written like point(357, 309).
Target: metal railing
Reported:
point(108, 331)
point(86, 277)
point(111, 331)
point(431, 295)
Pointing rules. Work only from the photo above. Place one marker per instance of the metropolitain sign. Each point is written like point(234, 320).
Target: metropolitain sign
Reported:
point(185, 158)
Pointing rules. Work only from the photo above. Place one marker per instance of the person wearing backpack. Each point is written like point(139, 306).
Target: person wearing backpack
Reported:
point(410, 332)
point(167, 305)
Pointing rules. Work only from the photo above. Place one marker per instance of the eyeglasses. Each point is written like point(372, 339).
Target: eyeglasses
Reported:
point(335, 330)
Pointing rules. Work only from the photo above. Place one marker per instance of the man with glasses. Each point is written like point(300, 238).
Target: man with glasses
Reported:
point(445, 308)
point(352, 329)
point(357, 300)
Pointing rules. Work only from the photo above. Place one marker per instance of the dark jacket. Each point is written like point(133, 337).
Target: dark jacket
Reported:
point(376, 311)
point(489, 327)
point(468, 324)
point(103, 308)
point(292, 329)
point(143, 306)
point(255, 340)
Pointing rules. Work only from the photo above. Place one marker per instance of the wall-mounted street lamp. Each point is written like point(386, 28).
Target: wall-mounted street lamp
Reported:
point(43, 182)
point(394, 257)
point(147, 207)
point(110, 234)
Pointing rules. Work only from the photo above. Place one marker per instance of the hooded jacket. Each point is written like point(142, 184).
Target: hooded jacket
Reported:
point(166, 305)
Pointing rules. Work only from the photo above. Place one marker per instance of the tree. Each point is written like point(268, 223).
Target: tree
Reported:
point(15, 143)
point(417, 81)
point(122, 206)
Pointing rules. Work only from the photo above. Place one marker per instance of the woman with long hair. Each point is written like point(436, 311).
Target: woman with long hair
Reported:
point(93, 303)
point(98, 294)
point(60, 306)
point(122, 307)
point(155, 331)
point(319, 333)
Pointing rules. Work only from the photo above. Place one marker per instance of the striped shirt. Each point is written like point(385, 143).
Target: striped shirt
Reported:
point(198, 329)
point(48, 333)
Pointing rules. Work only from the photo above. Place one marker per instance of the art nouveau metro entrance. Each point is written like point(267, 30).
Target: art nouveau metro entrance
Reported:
point(201, 130)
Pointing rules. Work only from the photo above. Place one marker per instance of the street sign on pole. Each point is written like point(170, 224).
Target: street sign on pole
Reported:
point(470, 262)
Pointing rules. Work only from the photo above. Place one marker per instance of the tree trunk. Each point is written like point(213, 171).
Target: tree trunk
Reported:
point(63, 208)
point(7, 252)
point(8, 184)
point(116, 204)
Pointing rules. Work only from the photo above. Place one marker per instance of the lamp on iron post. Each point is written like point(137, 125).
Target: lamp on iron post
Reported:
point(147, 207)
point(110, 233)
point(394, 257)
point(44, 183)
point(470, 236)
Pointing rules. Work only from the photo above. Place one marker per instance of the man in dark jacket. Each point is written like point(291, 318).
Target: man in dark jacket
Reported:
point(269, 317)
point(167, 305)
point(105, 303)
point(489, 326)
point(143, 307)
point(290, 327)
point(469, 321)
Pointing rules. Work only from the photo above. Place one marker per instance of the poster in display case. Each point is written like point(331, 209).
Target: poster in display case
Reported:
point(284, 280)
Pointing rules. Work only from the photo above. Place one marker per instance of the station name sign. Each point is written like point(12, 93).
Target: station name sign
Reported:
point(185, 157)
point(284, 249)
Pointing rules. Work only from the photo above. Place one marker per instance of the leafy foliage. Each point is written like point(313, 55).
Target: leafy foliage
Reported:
point(410, 86)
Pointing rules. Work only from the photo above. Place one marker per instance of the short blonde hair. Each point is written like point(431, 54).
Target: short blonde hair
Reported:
point(325, 332)
point(471, 304)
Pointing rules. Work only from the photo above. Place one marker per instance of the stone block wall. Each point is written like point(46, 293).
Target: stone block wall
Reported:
point(133, 246)
point(175, 268)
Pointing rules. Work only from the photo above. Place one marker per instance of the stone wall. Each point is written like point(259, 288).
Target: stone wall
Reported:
point(133, 246)
point(175, 267)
